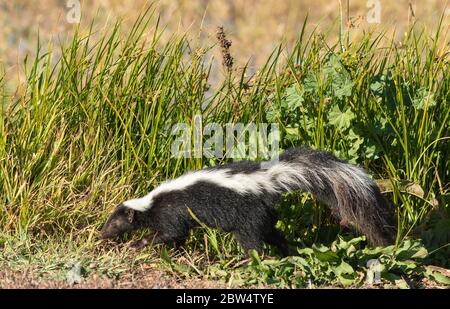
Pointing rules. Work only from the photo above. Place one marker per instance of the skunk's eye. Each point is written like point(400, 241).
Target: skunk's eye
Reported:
point(115, 225)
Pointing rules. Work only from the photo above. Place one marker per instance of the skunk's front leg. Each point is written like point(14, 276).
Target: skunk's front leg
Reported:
point(155, 238)
point(142, 243)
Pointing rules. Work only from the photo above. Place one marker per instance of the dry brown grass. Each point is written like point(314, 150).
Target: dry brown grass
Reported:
point(255, 27)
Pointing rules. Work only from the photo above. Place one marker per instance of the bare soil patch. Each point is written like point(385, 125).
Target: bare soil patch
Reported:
point(149, 279)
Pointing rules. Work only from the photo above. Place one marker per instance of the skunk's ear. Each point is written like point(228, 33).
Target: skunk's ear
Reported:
point(130, 215)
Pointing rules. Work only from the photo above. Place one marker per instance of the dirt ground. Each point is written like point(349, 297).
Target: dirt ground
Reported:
point(146, 279)
point(152, 279)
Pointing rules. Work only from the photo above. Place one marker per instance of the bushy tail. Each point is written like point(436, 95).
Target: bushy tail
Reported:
point(353, 196)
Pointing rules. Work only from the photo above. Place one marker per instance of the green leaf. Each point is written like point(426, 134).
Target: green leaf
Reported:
point(306, 251)
point(344, 89)
point(311, 83)
point(423, 98)
point(338, 78)
point(390, 276)
point(333, 64)
point(294, 97)
point(165, 256)
point(292, 134)
point(343, 268)
point(341, 120)
point(324, 254)
point(357, 141)
point(273, 115)
point(405, 267)
point(371, 152)
point(347, 280)
point(378, 85)
point(256, 260)
point(371, 252)
point(438, 277)
point(411, 249)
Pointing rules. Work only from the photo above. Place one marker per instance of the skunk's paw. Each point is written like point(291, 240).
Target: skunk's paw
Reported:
point(139, 244)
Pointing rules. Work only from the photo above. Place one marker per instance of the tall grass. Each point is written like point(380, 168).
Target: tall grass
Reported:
point(89, 128)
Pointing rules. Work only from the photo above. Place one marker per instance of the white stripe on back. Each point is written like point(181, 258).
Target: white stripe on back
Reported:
point(273, 177)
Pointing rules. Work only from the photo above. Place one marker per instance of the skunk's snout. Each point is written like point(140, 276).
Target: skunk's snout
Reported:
point(118, 223)
point(104, 233)
point(108, 229)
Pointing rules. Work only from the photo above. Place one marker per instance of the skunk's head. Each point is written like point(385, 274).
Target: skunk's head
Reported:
point(122, 220)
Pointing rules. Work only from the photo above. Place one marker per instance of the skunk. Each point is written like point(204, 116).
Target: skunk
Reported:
point(241, 197)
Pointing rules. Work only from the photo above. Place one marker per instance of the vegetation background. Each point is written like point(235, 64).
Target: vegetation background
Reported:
point(85, 109)
point(255, 27)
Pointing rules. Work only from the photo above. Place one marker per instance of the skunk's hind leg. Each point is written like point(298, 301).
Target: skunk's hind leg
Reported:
point(252, 240)
point(275, 238)
point(249, 240)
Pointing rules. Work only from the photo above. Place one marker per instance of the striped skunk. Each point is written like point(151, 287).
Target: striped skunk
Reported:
point(240, 198)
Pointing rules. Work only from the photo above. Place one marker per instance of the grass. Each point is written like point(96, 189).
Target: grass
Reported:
point(89, 129)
